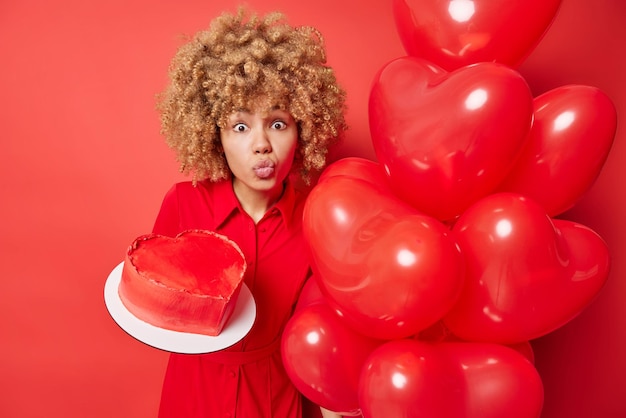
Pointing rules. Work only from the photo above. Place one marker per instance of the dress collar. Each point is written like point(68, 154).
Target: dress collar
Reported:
point(227, 203)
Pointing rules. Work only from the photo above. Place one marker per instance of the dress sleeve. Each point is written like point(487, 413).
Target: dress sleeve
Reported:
point(168, 220)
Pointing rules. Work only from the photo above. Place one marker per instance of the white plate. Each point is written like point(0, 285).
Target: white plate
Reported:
point(235, 329)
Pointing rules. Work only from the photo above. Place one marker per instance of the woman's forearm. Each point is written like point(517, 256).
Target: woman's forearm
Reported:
point(329, 414)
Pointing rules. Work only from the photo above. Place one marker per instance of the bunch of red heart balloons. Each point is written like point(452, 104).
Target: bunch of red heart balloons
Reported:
point(438, 263)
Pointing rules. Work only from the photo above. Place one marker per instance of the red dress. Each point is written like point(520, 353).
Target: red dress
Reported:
point(247, 379)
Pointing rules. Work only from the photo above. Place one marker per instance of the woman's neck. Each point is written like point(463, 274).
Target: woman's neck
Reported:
point(256, 203)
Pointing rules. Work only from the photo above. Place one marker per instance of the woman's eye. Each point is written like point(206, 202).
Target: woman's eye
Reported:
point(240, 127)
point(279, 124)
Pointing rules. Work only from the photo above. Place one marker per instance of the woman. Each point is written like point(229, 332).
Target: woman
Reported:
point(250, 110)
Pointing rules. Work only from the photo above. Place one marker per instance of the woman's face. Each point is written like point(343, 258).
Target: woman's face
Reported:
point(260, 148)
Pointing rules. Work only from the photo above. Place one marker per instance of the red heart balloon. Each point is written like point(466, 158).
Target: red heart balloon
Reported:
point(324, 357)
point(415, 379)
point(527, 274)
point(389, 270)
point(569, 142)
point(456, 33)
point(447, 139)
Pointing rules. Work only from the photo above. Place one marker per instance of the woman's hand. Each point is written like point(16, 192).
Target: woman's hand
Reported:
point(329, 414)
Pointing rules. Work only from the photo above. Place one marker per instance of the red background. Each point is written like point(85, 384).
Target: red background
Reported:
point(83, 170)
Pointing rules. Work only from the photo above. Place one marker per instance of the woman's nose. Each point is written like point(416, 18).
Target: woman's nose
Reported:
point(261, 143)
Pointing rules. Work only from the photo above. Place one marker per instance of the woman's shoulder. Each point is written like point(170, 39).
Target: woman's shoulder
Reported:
point(198, 194)
point(202, 187)
point(200, 205)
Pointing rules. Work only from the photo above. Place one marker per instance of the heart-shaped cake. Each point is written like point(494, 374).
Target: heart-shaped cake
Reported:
point(189, 283)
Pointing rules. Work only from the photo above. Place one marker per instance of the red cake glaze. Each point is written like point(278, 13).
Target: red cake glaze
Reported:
point(189, 283)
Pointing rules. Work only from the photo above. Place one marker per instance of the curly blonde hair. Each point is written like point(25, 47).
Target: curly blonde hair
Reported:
point(238, 61)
